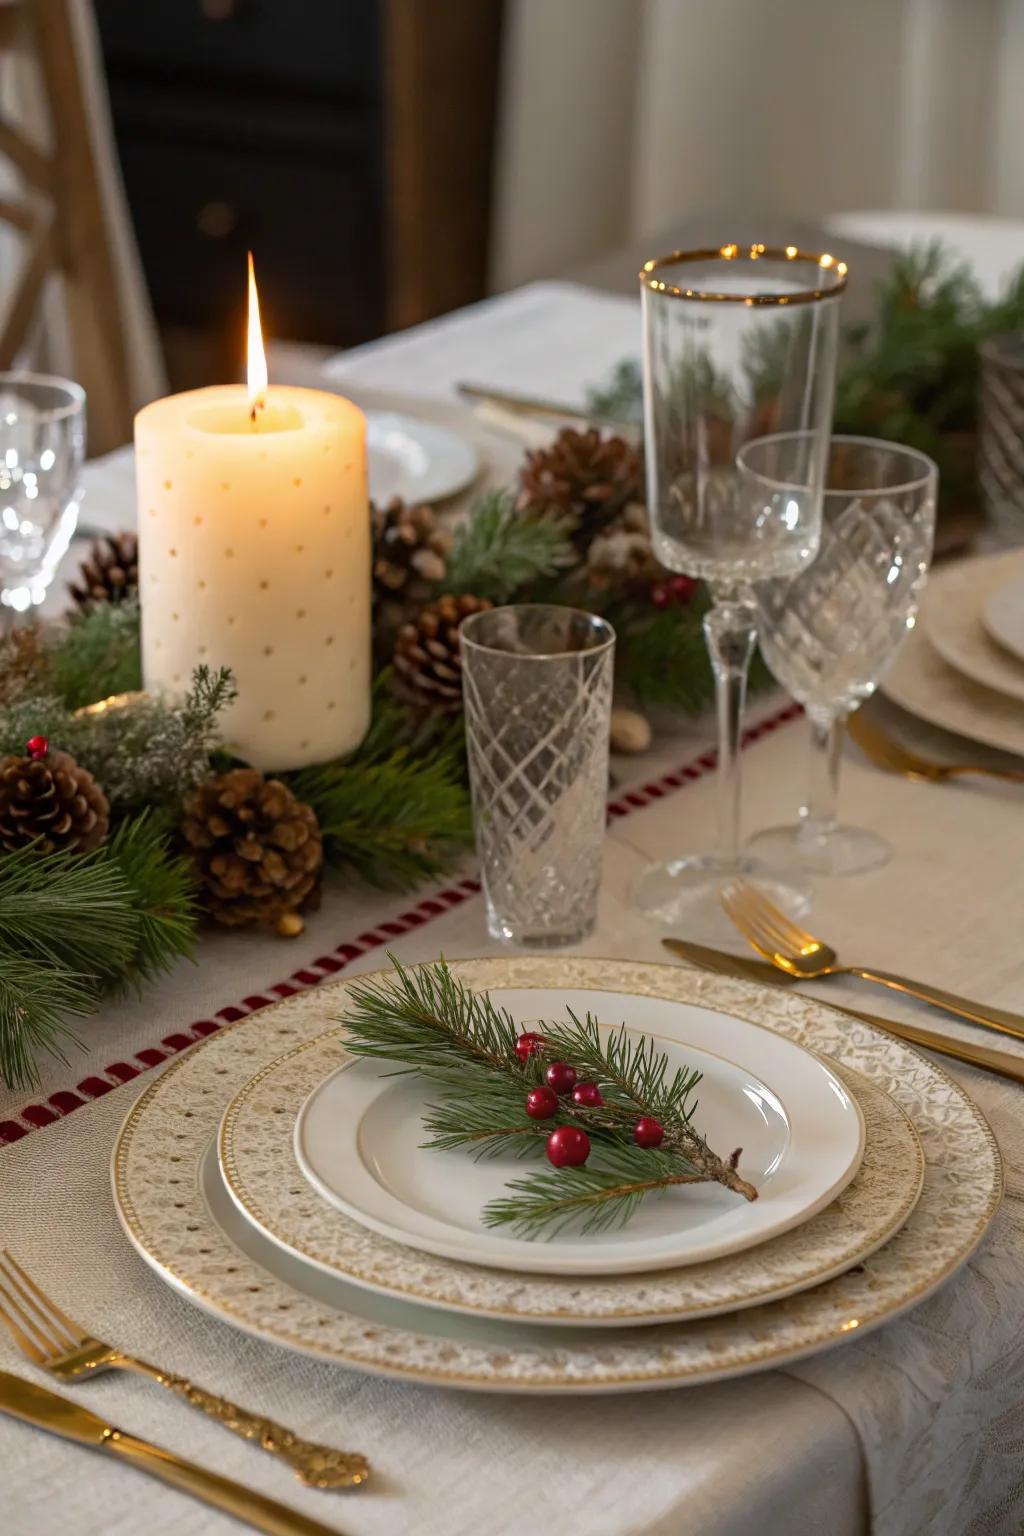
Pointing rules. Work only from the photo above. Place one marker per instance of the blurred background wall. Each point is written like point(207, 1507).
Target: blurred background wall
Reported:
point(619, 116)
point(391, 160)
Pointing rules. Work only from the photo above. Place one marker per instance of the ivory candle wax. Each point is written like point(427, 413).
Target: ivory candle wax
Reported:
point(254, 553)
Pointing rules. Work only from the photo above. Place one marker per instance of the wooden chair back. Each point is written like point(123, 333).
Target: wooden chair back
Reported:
point(58, 213)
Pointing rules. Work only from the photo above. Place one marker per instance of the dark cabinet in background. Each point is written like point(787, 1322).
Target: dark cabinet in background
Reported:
point(348, 143)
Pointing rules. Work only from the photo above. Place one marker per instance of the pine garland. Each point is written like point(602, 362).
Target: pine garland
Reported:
point(73, 929)
point(498, 551)
point(395, 822)
point(145, 751)
point(96, 654)
point(431, 1023)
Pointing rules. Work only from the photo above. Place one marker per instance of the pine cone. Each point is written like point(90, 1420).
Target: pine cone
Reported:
point(256, 848)
point(409, 551)
point(585, 473)
point(427, 656)
point(110, 572)
point(49, 797)
point(621, 558)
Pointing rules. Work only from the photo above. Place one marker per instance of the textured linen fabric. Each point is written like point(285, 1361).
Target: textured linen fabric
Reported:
point(918, 1423)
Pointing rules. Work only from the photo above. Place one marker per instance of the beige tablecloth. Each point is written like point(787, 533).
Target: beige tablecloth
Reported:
point(913, 1429)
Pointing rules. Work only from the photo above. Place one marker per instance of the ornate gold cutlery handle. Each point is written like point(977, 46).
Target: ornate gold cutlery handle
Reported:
point(320, 1466)
point(994, 1018)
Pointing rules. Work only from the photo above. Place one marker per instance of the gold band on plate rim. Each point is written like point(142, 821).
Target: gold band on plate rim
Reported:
point(752, 253)
point(764, 1354)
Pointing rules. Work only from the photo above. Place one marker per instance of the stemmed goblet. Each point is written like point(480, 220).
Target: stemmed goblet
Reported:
point(830, 633)
point(739, 342)
point(42, 444)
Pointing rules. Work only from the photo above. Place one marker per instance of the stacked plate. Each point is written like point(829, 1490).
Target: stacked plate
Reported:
point(281, 1184)
point(962, 668)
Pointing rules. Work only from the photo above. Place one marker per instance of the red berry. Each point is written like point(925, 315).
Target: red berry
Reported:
point(682, 588)
point(568, 1147)
point(561, 1077)
point(648, 1132)
point(541, 1103)
point(659, 596)
point(528, 1044)
point(588, 1095)
point(37, 746)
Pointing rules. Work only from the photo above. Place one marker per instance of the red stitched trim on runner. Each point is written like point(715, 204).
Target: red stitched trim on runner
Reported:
point(92, 1088)
point(65, 1101)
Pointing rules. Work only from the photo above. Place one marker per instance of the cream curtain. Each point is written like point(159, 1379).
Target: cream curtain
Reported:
point(618, 117)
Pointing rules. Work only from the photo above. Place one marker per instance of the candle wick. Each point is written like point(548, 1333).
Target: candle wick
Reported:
point(257, 405)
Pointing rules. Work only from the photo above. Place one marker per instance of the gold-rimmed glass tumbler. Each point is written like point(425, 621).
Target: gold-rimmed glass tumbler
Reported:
point(739, 342)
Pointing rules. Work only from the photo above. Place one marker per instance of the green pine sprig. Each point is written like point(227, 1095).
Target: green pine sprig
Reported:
point(663, 659)
point(96, 654)
point(36, 1002)
point(74, 928)
point(500, 550)
point(393, 822)
point(427, 1021)
point(633, 1073)
point(599, 1197)
point(430, 1021)
point(162, 893)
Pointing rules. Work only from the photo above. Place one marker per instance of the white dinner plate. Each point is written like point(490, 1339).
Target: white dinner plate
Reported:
point(257, 1160)
point(415, 459)
point(1003, 609)
point(169, 1131)
point(359, 1140)
point(954, 617)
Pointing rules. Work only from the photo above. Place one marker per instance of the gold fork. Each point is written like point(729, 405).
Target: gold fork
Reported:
point(888, 754)
point(805, 957)
point(50, 1339)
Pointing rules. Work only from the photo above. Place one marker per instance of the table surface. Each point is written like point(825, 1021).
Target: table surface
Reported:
point(909, 1430)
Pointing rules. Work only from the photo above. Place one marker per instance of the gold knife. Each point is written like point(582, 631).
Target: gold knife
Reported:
point(61, 1416)
point(725, 964)
point(545, 410)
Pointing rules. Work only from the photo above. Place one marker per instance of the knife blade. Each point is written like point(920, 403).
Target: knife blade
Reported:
point(545, 410)
point(38, 1406)
point(48, 1410)
point(725, 964)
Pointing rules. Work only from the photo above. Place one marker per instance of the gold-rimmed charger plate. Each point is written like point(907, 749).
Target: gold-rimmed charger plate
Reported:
point(925, 685)
point(263, 1177)
point(168, 1135)
point(953, 616)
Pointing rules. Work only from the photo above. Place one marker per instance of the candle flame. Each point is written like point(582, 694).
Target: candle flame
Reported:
point(257, 358)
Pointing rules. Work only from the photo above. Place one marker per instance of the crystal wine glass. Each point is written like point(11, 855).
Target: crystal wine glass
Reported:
point(42, 444)
point(830, 633)
point(738, 342)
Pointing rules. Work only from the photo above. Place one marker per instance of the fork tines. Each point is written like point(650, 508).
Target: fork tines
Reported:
point(40, 1329)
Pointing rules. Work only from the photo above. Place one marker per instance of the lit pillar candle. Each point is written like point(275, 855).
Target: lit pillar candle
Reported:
point(254, 553)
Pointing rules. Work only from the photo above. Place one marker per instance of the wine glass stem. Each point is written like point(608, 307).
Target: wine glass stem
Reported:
point(731, 634)
point(818, 814)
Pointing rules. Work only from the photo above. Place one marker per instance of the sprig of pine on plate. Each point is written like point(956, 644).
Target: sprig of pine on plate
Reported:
point(614, 1121)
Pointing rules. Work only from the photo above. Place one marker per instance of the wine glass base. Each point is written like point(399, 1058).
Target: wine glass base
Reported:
point(683, 895)
point(842, 850)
